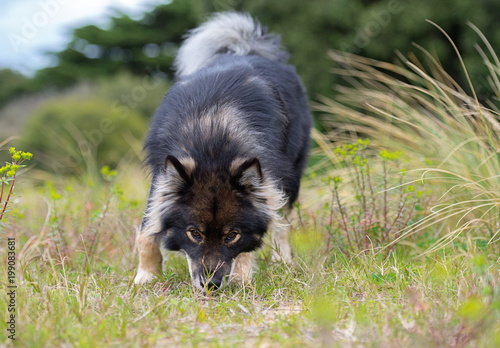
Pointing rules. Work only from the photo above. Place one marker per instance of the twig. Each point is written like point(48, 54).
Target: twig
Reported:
point(343, 217)
point(8, 197)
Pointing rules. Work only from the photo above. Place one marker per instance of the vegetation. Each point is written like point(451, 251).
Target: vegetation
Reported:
point(375, 29)
point(135, 46)
point(395, 238)
point(93, 133)
point(368, 212)
point(82, 133)
point(8, 174)
point(18, 84)
point(427, 276)
point(76, 264)
point(428, 115)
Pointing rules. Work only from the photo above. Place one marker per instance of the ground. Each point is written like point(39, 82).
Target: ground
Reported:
point(76, 263)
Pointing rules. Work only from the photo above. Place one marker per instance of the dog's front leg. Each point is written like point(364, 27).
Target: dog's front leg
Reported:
point(243, 267)
point(150, 258)
point(282, 250)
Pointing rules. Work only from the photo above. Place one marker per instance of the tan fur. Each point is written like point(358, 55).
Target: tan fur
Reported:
point(194, 240)
point(280, 233)
point(243, 267)
point(282, 252)
point(220, 119)
point(189, 164)
point(275, 200)
point(150, 258)
point(213, 189)
point(224, 236)
point(236, 164)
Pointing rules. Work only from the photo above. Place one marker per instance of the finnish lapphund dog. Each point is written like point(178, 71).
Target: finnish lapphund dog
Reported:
point(226, 150)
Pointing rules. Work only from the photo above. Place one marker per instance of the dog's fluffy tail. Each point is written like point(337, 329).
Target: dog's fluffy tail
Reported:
point(227, 33)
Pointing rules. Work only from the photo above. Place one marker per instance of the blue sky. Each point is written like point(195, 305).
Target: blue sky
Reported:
point(29, 28)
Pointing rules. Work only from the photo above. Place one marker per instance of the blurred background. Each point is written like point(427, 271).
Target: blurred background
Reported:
point(81, 79)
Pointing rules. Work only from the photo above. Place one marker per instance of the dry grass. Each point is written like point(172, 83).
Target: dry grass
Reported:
point(450, 139)
point(76, 258)
point(76, 263)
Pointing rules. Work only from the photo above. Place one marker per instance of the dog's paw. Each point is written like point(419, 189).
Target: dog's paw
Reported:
point(242, 276)
point(243, 268)
point(144, 277)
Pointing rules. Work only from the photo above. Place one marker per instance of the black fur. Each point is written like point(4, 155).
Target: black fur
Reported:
point(243, 121)
point(281, 117)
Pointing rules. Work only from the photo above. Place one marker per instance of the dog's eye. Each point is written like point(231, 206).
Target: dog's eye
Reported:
point(231, 236)
point(196, 234)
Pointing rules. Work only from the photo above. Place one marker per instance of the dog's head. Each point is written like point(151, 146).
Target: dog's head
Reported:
point(212, 214)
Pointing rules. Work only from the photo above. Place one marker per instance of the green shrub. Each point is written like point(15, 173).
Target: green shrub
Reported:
point(127, 92)
point(74, 136)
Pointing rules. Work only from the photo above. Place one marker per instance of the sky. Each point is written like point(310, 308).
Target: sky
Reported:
point(30, 28)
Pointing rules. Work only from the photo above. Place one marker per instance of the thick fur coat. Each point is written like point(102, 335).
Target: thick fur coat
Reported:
point(227, 148)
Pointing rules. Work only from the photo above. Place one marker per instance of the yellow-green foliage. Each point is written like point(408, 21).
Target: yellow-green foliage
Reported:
point(8, 176)
point(77, 262)
point(76, 257)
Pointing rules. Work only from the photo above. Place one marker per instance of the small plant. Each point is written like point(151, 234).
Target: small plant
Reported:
point(368, 210)
point(8, 176)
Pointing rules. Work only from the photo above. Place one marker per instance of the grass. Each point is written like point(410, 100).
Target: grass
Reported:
point(450, 138)
point(76, 264)
point(422, 201)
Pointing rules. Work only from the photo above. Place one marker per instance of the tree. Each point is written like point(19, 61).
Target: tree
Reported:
point(371, 28)
point(375, 29)
point(142, 47)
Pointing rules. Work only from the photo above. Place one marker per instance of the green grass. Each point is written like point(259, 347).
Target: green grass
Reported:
point(421, 203)
point(76, 264)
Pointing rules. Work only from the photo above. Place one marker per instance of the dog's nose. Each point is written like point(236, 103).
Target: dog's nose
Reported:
point(212, 283)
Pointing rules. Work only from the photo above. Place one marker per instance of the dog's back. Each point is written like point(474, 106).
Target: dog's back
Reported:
point(231, 66)
point(227, 148)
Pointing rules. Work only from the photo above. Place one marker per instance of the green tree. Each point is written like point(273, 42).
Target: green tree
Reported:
point(375, 29)
point(371, 28)
point(142, 47)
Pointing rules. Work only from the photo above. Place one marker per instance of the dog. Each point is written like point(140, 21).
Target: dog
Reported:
point(226, 149)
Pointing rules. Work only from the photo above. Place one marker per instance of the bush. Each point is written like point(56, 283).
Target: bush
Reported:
point(140, 93)
point(374, 29)
point(72, 136)
point(427, 114)
point(18, 85)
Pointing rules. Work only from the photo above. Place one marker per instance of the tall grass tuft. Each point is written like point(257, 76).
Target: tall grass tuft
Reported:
point(416, 107)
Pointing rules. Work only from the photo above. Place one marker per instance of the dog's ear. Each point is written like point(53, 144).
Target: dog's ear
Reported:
point(246, 173)
point(179, 171)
